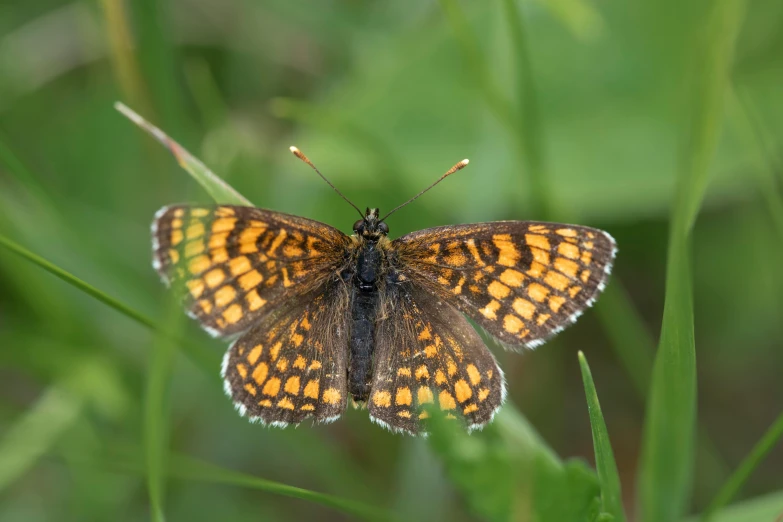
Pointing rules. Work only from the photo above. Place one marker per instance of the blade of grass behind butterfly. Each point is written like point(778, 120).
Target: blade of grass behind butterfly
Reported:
point(754, 135)
point(31, 436)
point(667, 448)
point(608, 476)
point(220, 191)
point(127, 459)
point(733, 485)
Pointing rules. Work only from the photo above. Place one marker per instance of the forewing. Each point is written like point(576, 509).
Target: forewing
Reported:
point(426, 352)
point(521, 281)
point(240, 263)
point(292, 365)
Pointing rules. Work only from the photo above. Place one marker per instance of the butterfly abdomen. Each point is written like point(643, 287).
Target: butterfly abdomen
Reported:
point(363, 313)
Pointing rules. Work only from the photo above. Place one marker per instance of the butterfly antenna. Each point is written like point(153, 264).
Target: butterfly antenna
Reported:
point(459, 166)
point(298, 153)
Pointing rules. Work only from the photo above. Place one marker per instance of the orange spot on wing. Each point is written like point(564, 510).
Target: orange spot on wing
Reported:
point(403, 396)
point(260, 373)
point(331, 396)
point(568, 250)
point(537, 292)
point(239, 265)
point(566, 266)
point(512, 277)
point(512, 324)
point(446, 401)
point(524, 308)
point(285, 403)
point(253, 301)
point(424, 395)
point(232, 314)
point(292, 385)
point(311, 389)
point(556, 280)
point(272, 387)
point(225, 295)
point(199, 264)
point(473, 374)
point(196, 287)
point(381, 398)
point(490, 310)
point(223, 225)
point(498, 290)
point(255, 353)
point(462, 390)
point(555, 302)
point(250, 280)
point(566, 232)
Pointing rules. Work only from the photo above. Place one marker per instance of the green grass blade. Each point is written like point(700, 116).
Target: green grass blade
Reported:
point(161, 361)
point(38, 429)
point(124, 459)
point(220, 191)
point(755, 136)
point(201, 357)
point(78, 283)
point(192, 469)
point(667, 452)
point(608, 476)
point(732, 486)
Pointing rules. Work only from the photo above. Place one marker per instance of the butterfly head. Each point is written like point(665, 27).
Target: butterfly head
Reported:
point(370, 226)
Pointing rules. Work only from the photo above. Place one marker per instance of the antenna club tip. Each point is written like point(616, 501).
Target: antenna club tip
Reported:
point(293, 149)
point(465, 161)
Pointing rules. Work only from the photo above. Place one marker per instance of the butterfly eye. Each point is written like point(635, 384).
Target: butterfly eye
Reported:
point(383, 227)
point(358, 226)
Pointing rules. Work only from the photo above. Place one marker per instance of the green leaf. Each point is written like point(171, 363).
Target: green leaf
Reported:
point(608, 477)
point(667, 451)
point(220, 191)
point(507, 472)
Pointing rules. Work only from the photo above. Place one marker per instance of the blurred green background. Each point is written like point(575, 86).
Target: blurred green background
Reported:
point(577, 113)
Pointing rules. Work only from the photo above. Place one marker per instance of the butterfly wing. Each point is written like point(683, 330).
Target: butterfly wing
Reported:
point(293, 364)
point(522, 281)
point(240, 263)
point(427, 352)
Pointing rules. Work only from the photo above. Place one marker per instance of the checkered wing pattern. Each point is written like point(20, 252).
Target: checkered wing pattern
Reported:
point(521, 281)
point(241, 263)
point(428, 353)
point(292, 365)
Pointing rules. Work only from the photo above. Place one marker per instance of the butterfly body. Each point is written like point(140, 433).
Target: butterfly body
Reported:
point(365, 278)
point(323, 317)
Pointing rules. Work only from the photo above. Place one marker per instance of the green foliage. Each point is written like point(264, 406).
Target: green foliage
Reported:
point(626, 117)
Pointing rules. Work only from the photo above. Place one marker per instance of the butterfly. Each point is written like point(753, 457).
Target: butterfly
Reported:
point(320, 317)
